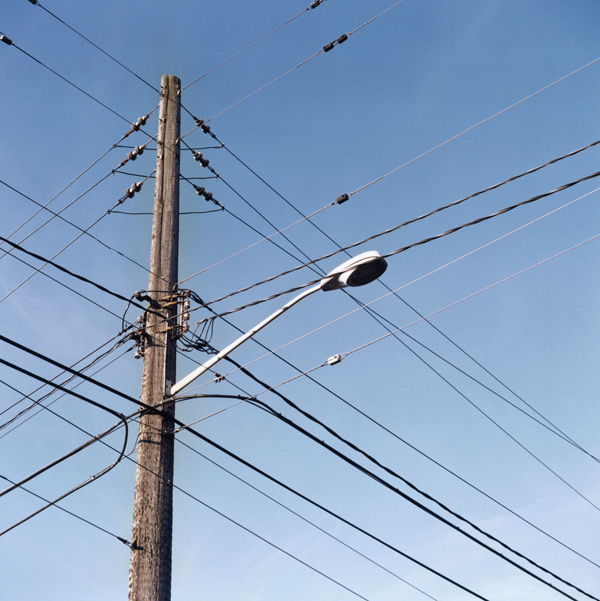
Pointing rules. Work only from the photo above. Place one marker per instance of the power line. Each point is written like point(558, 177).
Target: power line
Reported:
point(266, 35)
point(94, 45)
point(378, 424)
point(418, 504)
point(393, 253)
point(67, 81)
point(68, 272)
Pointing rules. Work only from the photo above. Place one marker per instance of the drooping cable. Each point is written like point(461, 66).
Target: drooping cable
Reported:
point(427, 510)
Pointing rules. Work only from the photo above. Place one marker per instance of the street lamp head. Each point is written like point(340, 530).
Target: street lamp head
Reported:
point(358, 271)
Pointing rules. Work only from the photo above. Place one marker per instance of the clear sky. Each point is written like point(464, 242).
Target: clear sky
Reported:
point(490, 407)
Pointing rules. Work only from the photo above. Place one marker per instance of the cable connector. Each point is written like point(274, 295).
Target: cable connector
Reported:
point(200, 158)
point(201, 191)
point(343, 198)
point(6, 40)
point(136, 187)
point(316, 3)
point(135, 152)
point(333, 360)
point(337, 42)
point(202, 125)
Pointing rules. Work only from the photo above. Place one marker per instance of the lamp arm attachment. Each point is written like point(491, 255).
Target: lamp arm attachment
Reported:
point(216, 358)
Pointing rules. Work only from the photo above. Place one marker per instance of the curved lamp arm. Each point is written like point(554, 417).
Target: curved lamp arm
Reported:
point(357, 271)
point(216, 358)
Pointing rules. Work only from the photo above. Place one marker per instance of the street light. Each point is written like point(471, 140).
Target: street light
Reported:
point(358, 271)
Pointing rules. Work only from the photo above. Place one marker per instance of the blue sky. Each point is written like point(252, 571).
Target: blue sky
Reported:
point(446, 99)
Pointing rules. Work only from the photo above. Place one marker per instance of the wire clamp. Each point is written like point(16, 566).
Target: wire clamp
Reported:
point(6, 40)
point(333, 360)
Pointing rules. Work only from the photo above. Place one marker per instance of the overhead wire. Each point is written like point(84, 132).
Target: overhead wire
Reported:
point(388, 470)
point(67, 81)
point(36, 3)
point(266, 35)
point(400, 439)
point(490, 188)
point(85, 232)
point(304, 519)
point(397, 251)
point(437, 516)
point(323, 50)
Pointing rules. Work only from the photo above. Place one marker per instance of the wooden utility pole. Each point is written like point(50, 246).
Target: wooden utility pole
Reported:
point(150, 571)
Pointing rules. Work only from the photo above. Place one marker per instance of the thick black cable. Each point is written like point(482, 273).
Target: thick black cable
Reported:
point(411, 446)
point(71, 273)
point(67, 287)
point(298, 515)
point(153, 409)
point(400, 250)
point(329, 512)
point(354, 447)
point(424, 508)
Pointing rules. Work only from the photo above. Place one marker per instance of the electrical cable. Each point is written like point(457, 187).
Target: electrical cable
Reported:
point(395, 252)
point(41, 407)
point(400, 439)
point(35, 2)
point(54, 504)
point(135, 187)
point(323, 50)
point(372, 459)
point(68, 272)
point(69, 82)
point(85, 232)
point(424, 508)
point(254, 43)
point(133, 128)
point(306, 520)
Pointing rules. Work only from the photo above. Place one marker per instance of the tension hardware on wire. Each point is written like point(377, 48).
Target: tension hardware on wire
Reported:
point(343, 198)
point(201, 191)
point(132, 155)
point(339, 41)
point(200, 158)
point(333, 360)
point(136, 187)
point(6, 40)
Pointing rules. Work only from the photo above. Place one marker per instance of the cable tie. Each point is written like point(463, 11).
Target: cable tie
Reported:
point(6, 40)
point(343, 198)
